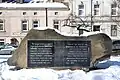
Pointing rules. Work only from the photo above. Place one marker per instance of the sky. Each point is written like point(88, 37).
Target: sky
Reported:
point(111, 71)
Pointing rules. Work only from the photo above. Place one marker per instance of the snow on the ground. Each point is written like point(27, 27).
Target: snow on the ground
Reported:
point(68, 34)
point(62, 33)
point(4, 57)
point(114, 60)
point(112, 72)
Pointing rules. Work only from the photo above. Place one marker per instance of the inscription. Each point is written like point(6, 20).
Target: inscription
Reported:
point(40, 54)
point(77, 53)
point(59, 53)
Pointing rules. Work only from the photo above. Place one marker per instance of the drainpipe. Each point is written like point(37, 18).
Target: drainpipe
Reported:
point(91, 17)
point(46, 10)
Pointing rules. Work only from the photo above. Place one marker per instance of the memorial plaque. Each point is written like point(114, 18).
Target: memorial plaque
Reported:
point(77, 53)
point(40, 53)
point(59, 53)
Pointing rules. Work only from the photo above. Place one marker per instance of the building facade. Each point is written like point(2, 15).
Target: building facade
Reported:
point(93, 15)
point(15, 22)
point(98, 15)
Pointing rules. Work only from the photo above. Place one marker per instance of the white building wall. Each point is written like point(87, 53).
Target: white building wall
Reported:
point(104, 19)
point(13, 17)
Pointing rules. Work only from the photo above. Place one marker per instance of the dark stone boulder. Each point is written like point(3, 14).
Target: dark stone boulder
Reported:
point(101, 45)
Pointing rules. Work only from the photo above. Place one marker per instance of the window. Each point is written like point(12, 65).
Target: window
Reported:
point(35, 13)
point(35, 23)
point(1, 25)
point(56, 24)
point(24, 25)
point(113, 30)
point(96, 28)
point(0, 13)
point(81, 9)
point(96, 9)
point(113, 9)
point(2, 42)
point(56, 13)
point(24, 13)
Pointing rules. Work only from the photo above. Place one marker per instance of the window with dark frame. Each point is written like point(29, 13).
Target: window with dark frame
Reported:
point(56, 24)
point(96, 9)
point(96, 28)
point(113, 30)
point(35, 23)
point(80, 9)
point(0, 13)
point(2, 42)
point(1, 25)
point(113, 9)
point(56, 13)
point(35, 13)
point(24, 13)
point(24, 25)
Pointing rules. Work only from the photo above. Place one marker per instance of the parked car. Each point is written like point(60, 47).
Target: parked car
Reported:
point(7, 50)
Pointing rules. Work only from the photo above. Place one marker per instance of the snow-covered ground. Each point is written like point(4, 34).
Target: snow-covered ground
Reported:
point(111, 72)
point(4, 58)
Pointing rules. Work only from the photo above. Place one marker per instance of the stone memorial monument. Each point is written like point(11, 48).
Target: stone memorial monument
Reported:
point(49, 48)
